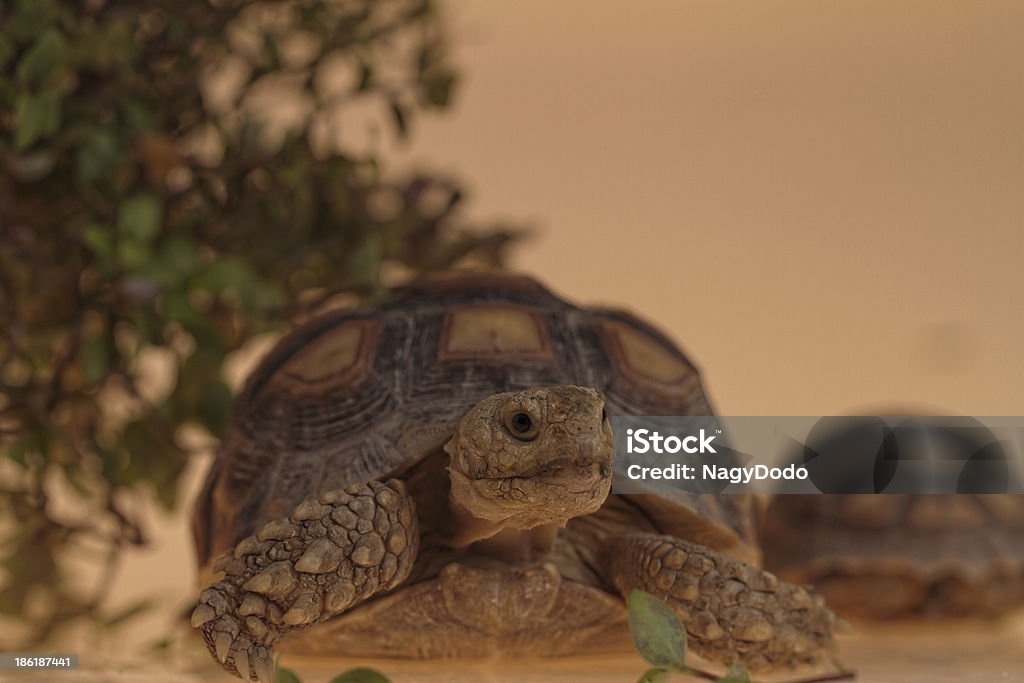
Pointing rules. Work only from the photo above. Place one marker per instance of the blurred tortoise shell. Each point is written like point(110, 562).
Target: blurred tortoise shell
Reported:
point(363, 394)
point(897, 555)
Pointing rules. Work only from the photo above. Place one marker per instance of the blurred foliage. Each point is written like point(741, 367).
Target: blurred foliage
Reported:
point(658, 635)
point(358, 675)
point(151, 199)
point(283, 675)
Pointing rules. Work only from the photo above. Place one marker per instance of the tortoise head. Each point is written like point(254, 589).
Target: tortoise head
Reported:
point(534, 457)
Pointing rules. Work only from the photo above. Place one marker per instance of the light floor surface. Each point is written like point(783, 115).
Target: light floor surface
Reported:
point(942, 652)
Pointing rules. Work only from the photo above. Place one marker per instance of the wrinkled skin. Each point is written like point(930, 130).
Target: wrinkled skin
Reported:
point(524, 460)
point(475, 560)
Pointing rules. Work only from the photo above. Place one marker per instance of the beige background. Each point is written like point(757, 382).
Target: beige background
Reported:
point(823, 202)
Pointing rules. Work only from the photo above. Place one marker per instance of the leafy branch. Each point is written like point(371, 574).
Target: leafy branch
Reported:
point(154, 207)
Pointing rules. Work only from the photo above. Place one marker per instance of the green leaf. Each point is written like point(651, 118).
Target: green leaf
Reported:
point(35, 117)
point(361, 675)
point(737, 673)
point(210, 343)
point(438, 85)
point(150, 456)
point(132, 254)
point(200, 393)
point(140, 217)
point(181, 254)
point(657, 633)
point(30, 441)
point(365, 262)
point(176, 306)
point(8, 93)
point(110, 462)
point(6, 50)
point(30, 18)
point(655, 675)
point(227, 272)
point(95, 358)
point(137, 114)
point(44, 60)
point(99, 241)
point(97, 156)
point(215, 406)
point(283, 675)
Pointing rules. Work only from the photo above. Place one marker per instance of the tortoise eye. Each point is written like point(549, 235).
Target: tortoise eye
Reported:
point(520, 425)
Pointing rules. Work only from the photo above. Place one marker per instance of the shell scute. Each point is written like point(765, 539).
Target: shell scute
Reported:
point(498, 331)
point(336, 358)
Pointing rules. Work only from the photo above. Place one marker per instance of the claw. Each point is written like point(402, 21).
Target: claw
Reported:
point(223, 646)
point(242, 664)
point(264, 669)
point(201, 615)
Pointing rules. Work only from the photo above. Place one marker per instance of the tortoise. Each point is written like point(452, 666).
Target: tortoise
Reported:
point(902, 556)
point(429, 477)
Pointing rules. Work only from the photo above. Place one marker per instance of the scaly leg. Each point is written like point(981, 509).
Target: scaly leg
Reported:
point(731, 610)
point(330, 554)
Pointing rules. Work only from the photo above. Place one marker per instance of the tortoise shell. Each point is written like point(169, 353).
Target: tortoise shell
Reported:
point(900, 555)
point(363, 394)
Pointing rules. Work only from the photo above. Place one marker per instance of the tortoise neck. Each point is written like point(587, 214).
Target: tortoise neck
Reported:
point(468, 529)
point(497, 539)
point(518, 546)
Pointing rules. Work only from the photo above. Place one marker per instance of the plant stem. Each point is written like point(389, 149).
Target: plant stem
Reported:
point(827, 678)
point(824, 678)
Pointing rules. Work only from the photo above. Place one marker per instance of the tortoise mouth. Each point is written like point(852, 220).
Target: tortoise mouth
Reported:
point(529, 501)
point(563, 468)
point(564, 473)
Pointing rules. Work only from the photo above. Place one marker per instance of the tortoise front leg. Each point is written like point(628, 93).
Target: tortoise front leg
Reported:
point(731, 610)
point(330, 554)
